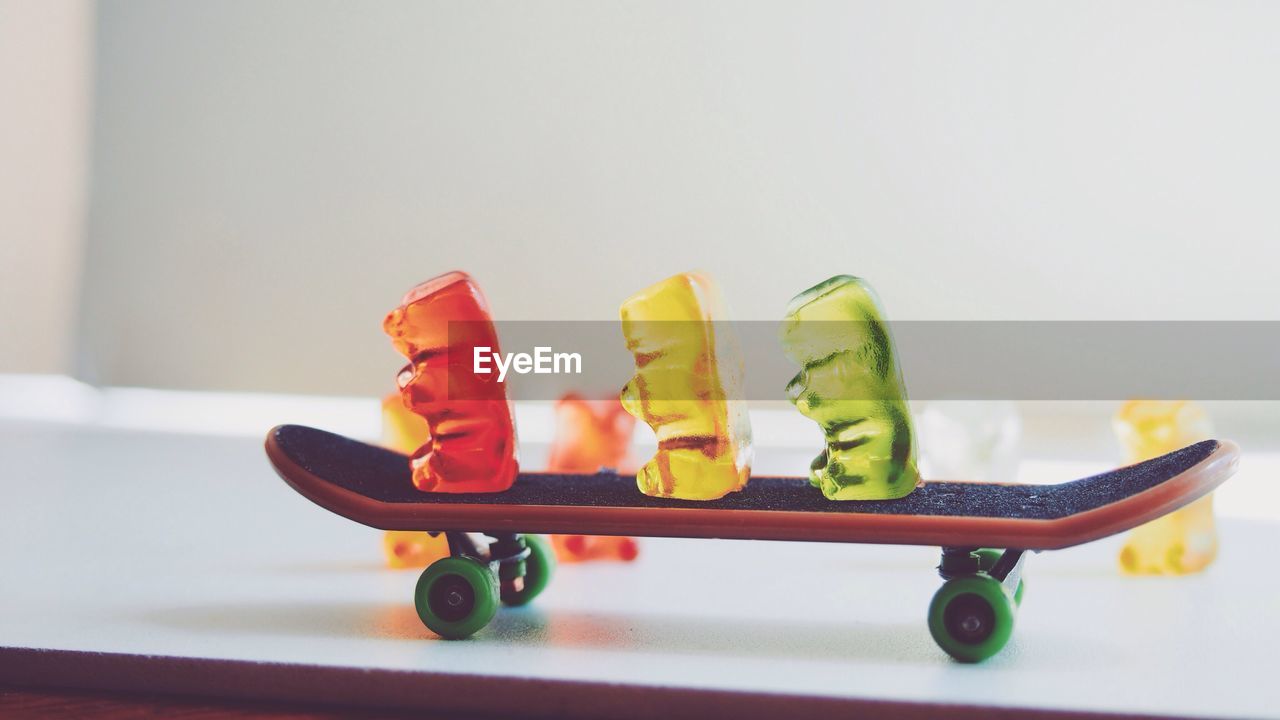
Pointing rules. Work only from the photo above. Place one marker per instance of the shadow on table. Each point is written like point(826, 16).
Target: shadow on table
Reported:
point(325, 568)
point(780, 638)
point(531, 627)
point(321, 620)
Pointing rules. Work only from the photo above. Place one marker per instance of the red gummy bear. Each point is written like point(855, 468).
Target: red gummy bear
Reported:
point(473, 445)
point(584, 548)
point(591, 434)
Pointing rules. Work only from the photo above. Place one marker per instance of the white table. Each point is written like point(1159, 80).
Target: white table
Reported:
point(168, 562)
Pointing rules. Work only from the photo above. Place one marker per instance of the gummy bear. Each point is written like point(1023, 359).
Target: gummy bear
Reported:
point(688, 388)
point(583, 548)
point(591, 434)
point(851, 385)
point(405, 432)
point(413, 549)
point(969, 439)
point(472, 443)
point(402, 430)
point(1184, 541)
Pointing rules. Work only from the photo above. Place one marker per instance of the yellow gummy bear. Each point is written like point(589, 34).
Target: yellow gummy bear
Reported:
point(413, 549)
point(1185, 540)
point(688, 388)
point(405, 431)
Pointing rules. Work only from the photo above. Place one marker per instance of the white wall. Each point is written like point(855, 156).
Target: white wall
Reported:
point(269, 177)
point(45, 54)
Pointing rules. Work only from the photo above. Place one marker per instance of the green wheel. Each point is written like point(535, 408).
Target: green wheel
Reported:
point(456, 596)
point(538, 569)
point(987, 558)
point(1017, 594)
point(971, 617)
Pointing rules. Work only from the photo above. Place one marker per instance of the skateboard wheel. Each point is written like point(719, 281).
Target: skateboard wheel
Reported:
point(971, 617)
point(538, 568)
point(456, 596)
point(1017, 594)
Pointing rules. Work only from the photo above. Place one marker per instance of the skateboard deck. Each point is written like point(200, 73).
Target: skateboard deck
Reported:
point(372, 485)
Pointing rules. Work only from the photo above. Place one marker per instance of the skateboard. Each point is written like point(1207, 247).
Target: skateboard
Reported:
point(984, 529)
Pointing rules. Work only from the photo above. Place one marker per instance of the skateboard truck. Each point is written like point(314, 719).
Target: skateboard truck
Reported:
point(1003, 565)
point(971, 616)
point(458, 595)
point(509, 551)
point(507, 555)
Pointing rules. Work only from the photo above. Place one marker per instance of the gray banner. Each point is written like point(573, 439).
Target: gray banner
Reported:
point(997, 360)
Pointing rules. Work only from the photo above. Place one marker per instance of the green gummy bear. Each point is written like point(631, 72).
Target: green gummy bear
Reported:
point(851, 385)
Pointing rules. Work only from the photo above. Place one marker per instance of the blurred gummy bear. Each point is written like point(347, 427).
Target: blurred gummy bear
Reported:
point(404, 432)
point(589, 435)
point(969, 440)
point(592, 434)
point(1184, 541)
point(851, 385)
